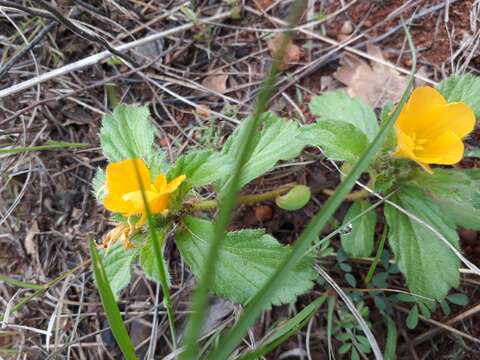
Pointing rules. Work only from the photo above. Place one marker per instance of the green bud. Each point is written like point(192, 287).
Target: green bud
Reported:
point(295, 199)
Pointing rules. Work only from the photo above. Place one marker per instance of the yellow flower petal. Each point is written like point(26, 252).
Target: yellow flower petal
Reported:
point(175, 183)
point(430, 131)
point(420, 110)
point(405, 145)
point(113, 202)
point(446, 149)
point(160, 204)
point(124, 193)
point(122, 178)
point(456, 117)
point(161, 182)
point(137, 201)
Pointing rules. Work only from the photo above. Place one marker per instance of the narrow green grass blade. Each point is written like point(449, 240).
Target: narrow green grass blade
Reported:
point(22, 284)
point(229, 195)
point(162, 268)
point(25, 300)
point(51, 145)
point(228, 342)
point(391, 343)
point(289, 328)
point(162, 271)
point(110, 306)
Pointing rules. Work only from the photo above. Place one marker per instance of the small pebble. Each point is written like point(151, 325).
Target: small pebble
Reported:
point(347, 27)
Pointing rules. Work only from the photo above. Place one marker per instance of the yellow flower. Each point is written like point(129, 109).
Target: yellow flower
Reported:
point(124, 193)
point(430, 130)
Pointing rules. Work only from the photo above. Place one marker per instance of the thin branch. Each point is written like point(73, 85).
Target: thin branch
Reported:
point(82, 33)
point(93, 59)
point(4, 69)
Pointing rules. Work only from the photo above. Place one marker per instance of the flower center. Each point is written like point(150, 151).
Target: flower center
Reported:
point(137, 199)
point(418, 143)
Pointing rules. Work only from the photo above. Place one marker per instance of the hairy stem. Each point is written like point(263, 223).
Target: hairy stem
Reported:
point(244, 199)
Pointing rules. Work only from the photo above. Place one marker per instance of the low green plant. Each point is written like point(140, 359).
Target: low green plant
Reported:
point(423, 206)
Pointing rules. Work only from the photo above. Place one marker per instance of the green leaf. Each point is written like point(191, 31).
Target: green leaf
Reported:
point(278, 139)
point(463, 214)
point(345, 267)
point(444, 182)
point(118, 262)
point(359, 241)
point(412, 318)
point(246, 260)
point(295, 199)
point(475, 153)
point(339, 140)
point(458, 299)
point(430, 267)
point(351, 280)
point(158, 164)
point(98, 185)
point(363, 344)
point(445, 307)
point(354, 354)
point(344, 337)
point(462, 88)
point(456, 193)
point(148, 260)
point(127, 132)
point(337, 105)
point(344, 348)
point(201, 168)
point(424, 310)
point(110, 306)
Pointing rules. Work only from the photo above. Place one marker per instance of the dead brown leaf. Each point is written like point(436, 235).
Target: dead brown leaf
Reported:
point(375, 83)
point(293, 52)
point(263, 4)
point(216, 82)
point(203, 110)
point(28, 242)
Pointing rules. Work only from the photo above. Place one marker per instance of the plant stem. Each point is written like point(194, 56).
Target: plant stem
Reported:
point(378, 255)
point(353, 196)
point(356, 195)
point(244, 199)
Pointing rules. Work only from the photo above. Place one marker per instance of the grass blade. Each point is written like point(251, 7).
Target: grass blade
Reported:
point(229, 195)
point(22, 284)
point(228, 343)
point(157, 247)
point(51, 145)
point(391, 343)
point(110, 306)
point(286, 330)
point(162, 271)
point(40, 290)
